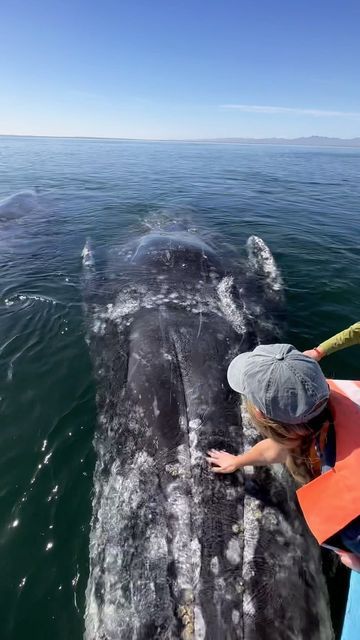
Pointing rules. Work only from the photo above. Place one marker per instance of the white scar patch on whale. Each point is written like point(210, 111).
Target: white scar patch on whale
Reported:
point(196, 456)
point(118, 499)
point(191, 458)
point(209, 299)
point(214, 565)
point(233, 551)
point(222, 587)
point(219, 591)
point(252, 508)
point(124, 306)
point(177, 506)
point(185, 546)
point(251, 524)
point(156, 408)
point(200, 627)
point(99, 325)
point(235, 616)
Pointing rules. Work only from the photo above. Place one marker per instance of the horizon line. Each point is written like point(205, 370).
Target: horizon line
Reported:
point(200, 139)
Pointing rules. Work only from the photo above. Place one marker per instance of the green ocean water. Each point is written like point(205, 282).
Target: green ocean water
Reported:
point(305, 204)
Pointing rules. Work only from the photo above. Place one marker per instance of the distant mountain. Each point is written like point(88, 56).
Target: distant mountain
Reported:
point(311, 141)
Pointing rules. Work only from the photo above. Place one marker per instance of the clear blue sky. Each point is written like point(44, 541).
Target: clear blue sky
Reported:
point(180, 68)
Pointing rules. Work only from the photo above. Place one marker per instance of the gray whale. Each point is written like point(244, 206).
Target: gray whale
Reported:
point(175, 551)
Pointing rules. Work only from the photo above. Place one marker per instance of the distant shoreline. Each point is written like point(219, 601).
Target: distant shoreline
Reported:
point(310, 141)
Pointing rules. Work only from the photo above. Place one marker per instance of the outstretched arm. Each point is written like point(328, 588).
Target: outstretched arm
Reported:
point(264, 453)
point(346, 338)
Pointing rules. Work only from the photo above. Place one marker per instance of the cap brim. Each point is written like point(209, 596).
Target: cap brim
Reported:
point(235, 372)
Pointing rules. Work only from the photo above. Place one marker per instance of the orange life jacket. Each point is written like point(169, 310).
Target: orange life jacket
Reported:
point(332, 500)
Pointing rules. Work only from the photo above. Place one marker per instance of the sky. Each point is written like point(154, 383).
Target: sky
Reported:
point(161, 69)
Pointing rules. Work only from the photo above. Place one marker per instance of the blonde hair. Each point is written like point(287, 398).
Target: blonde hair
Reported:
point(297, 438)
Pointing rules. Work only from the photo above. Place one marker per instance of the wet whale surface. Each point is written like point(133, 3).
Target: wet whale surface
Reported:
point(176, 551)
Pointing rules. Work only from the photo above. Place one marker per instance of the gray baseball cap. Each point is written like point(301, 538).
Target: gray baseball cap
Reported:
point(280, 381)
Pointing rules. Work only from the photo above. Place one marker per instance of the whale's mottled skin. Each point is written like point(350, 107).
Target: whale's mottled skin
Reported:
point(177, 552)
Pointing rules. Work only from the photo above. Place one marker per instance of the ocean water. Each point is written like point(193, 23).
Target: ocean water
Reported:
point(305, 204)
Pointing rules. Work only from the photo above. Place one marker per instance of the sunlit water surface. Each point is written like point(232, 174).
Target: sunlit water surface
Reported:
point(305, 203)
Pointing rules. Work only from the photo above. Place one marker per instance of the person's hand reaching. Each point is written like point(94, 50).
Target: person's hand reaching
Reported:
point(222, 462)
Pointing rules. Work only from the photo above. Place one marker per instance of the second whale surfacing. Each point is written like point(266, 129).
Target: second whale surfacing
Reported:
point(177, 552)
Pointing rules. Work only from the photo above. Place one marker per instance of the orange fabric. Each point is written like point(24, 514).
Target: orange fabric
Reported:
point(332, 500)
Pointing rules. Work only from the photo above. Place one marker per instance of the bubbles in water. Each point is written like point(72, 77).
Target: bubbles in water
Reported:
point(75, 580)
point(47, 458)
point(87, 255)
point(22, 297)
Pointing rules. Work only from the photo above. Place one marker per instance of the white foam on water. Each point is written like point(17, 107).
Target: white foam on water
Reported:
point(87, 255)
point(29, 297)
point(47, 458)
point(263, 263)
point(18, 205)
point(229, 307)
